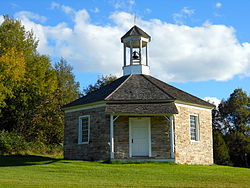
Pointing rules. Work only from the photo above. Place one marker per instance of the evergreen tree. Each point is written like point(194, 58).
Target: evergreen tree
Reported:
point(220, 149)
point(235, 115)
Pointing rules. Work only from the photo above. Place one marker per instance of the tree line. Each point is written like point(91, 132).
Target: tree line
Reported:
point(231, 130)
point(32, 91)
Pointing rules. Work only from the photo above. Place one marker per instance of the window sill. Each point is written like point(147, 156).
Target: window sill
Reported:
point(81, 143)
point(195, 141)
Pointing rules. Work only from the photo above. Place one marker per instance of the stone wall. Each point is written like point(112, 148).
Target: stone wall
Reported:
point(98, 147)
point(160, 145)
point(121, 138)
point(193, 152)
point(160, 137)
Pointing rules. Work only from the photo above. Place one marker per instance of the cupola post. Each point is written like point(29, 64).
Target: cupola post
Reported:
point(135, 43)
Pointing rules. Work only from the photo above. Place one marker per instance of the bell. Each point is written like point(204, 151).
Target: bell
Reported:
point(135, 55)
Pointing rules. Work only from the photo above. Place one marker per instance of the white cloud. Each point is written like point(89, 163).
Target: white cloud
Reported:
point(187, 11)
point(184, 13)
point(177, 53)
point(131, 2)
point(30, 16)
point(95, 10)
point(125, 5)
point(1, 19)
point(218, 5)
point(148, 11)
point(14, 5)
point(213, 100)
point(65, 9)
point(54, 5)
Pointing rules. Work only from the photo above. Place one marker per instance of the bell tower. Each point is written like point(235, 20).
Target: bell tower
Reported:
point(135, 44)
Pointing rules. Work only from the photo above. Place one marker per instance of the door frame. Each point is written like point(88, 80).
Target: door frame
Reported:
point(149, 134)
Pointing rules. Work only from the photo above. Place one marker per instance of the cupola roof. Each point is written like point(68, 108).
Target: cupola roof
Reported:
point(136, 31)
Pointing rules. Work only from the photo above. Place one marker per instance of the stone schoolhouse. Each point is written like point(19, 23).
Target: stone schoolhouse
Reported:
point(138, 117)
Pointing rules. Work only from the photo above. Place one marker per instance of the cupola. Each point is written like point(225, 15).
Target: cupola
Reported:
point(135, 44)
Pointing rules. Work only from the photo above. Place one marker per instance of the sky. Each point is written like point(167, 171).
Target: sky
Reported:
point(202, 47)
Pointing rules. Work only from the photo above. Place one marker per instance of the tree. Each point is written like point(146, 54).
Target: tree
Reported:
point(66, 82)
point(17, 51)
point(239, 147)
point(102, 81)
point(13, 34)
point(12, 69)
point(220, 149)
point(236, 111)
point(234, 116)
point(32, 91)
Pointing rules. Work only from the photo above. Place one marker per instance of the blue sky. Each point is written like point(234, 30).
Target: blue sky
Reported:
point(202, 47)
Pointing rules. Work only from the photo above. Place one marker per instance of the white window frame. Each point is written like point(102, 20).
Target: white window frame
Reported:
point(197, 128)
point(80, 129)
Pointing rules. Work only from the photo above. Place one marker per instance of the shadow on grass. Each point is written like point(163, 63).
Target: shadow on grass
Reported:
point(25, 160)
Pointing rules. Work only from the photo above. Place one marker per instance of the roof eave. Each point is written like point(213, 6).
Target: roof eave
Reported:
point(209, 106)
point(84, 105)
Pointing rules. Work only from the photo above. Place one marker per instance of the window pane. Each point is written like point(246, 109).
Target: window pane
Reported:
point(84, 129)
point(193, 127)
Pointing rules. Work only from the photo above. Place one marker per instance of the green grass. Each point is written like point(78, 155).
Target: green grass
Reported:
point(41, 171)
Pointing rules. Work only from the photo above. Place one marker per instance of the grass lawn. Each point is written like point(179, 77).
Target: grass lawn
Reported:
point(40, 171)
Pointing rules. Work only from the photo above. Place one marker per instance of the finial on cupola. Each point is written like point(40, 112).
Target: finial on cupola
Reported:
point(136, 41)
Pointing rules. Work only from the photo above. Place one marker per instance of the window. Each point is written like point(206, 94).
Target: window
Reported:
point(194, 128)
point(84, 127)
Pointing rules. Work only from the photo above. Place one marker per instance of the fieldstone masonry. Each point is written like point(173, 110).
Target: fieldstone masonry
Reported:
point(186, 151)
point(98, 147)
point(160, 145)
point(193, 152)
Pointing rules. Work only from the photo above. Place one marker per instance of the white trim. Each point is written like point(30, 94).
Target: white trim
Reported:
point(195, 107)
point(172, 136)
point(112, 145)
point(131, 38)
point(149, 136)
point(115, 118)
point(85, 107)
point(197, 128)
point(124, 54)
point(130, 139)
point(111, 136)
point(136, 69)
point(80, 129)
point(131, 51)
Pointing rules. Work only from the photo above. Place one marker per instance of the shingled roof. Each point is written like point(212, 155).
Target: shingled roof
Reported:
point(136, 31)
point(98, 95)
point(141, 89)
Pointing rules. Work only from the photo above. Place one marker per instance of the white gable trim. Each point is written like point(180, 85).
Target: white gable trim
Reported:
point(86, 107)
point(191, 106)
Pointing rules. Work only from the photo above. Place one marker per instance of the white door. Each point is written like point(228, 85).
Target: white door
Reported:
point(140, 136)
